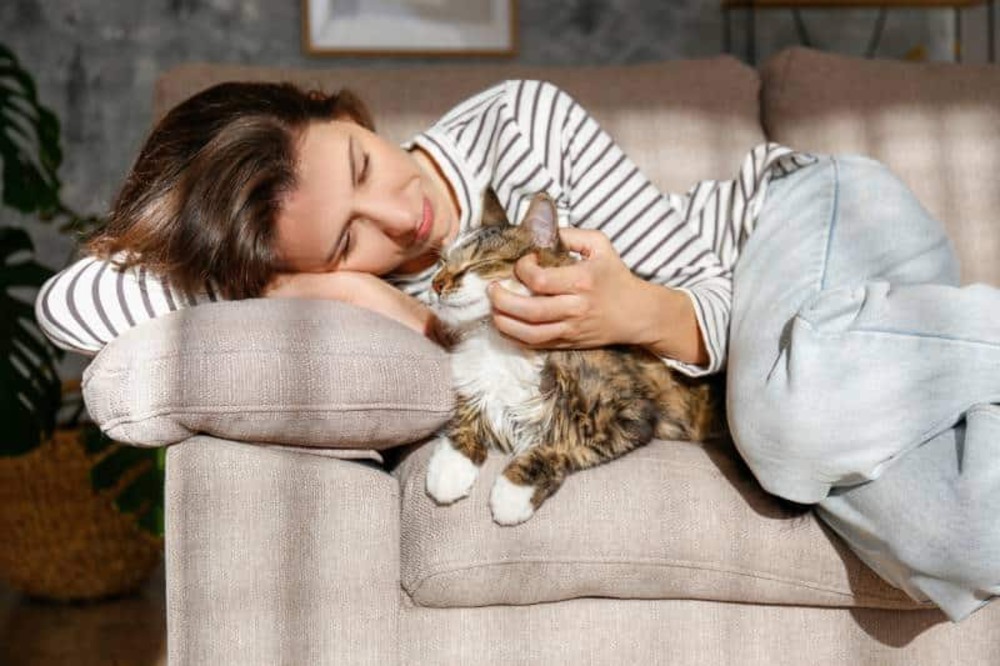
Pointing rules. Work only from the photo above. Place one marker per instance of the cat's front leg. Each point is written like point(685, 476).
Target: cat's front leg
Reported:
point(527, 481)
point(458, 455)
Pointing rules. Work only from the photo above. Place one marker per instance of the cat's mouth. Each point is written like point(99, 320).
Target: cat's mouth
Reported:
point(461, 309)
point(461, 301)
point(458, 300)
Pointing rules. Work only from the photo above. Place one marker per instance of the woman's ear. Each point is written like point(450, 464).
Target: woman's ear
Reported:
point(542, 221)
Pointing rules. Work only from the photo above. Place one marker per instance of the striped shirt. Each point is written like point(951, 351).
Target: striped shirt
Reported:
point(520, 138)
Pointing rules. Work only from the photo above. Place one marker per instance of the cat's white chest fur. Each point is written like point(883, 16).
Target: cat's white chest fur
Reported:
point(502, 379)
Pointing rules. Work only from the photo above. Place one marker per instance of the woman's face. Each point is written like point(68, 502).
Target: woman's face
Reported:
point(363, 204)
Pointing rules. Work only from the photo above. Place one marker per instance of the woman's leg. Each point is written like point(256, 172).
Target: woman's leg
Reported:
point(852, 345)
point(929, 524)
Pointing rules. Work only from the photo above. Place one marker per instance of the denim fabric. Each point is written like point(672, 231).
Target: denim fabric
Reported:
point(861, 378)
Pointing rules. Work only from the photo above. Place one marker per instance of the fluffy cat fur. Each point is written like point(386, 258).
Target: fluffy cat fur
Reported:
point(555, 412)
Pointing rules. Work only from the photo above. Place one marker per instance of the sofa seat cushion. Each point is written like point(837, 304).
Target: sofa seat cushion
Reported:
point(671, 520)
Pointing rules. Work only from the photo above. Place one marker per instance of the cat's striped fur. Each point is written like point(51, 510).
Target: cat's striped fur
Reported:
point(555, 412)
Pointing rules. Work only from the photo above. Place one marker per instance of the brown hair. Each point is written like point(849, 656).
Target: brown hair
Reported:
point(201, 199)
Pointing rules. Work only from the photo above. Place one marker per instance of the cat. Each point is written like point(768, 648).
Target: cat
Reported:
point(555, 412)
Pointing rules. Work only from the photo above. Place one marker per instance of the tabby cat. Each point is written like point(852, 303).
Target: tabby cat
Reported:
point(555, 412)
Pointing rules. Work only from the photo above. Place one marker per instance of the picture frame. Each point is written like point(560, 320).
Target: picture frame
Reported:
point(409, 27)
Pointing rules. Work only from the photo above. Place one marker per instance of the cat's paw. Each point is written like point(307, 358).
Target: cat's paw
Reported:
point(511, 503)
point(450, 474)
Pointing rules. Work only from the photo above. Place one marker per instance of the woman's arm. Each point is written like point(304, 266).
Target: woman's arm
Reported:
point(91, 302)
point(361, 289)
point(632, 233)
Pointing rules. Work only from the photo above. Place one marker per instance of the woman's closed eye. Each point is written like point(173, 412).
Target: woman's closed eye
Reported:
point(343, 248)
point(348, 243)
point(365, 163)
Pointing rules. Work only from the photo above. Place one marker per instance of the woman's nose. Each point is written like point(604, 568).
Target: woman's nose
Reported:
point(393, 214)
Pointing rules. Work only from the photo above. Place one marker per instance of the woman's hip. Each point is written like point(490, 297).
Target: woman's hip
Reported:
point(842, 222)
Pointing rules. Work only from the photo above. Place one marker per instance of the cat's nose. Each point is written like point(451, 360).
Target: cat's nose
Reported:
point(437, 284)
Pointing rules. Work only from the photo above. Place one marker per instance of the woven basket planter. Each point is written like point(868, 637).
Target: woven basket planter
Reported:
point(59, 538)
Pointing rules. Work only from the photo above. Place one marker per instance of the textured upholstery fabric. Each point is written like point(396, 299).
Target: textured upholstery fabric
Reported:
point(279, 557)
point(284, 371)
point(693, 633)
point(671, 520)
point(936, 125)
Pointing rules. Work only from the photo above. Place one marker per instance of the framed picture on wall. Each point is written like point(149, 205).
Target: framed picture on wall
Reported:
point(409, 27)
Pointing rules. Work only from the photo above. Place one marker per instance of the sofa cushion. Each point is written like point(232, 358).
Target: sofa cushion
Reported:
point(670, 520)
point(282, 371)
point(937, 125)
point(680, 121)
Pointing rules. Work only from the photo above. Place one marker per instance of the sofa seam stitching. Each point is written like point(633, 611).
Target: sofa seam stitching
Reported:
point(666, 563)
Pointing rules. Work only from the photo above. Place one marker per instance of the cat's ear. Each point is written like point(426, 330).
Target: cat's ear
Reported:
point(493, 213)
point(542, 221)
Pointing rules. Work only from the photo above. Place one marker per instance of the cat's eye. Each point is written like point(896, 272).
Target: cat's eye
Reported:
point(483, 265)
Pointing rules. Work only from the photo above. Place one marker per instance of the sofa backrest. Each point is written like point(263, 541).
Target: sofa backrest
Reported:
point(681, 121)
point(936, 125)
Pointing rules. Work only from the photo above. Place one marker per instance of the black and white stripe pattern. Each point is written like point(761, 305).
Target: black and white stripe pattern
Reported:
point(91, 302)
point(520, 138)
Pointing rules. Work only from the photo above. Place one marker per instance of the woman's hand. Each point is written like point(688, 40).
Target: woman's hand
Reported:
point(597, 301)
point(361, 289)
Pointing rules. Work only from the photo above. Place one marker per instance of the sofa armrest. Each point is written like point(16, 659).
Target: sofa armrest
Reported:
point(282, 371)
point(279, 556)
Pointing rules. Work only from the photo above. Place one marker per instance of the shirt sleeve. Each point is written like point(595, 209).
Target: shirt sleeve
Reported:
point(725, 212)
point(601, 188)
point(91, 302)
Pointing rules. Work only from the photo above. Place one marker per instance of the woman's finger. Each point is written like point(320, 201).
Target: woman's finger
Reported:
point(586, 242)
point(532, 309)
point(551, 280)
point(533, 335)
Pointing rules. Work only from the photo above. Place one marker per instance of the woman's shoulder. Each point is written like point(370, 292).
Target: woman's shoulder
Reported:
point(517, 96)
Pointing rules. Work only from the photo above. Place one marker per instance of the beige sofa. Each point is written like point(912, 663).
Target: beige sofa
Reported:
point(298, 530)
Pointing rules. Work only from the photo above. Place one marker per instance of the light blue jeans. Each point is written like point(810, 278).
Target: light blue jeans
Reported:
point(861, 378)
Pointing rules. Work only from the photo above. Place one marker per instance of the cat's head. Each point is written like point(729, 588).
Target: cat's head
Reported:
point(488, 254)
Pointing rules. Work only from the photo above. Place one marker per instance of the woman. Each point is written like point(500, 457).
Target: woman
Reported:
point(262, 190)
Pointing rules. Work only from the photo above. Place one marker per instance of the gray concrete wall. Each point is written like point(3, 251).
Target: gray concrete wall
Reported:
point(96, 60)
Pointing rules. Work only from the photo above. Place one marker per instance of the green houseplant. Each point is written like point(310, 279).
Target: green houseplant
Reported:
point(45, 459)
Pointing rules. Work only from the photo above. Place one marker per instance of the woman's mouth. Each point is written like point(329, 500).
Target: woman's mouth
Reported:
point(423, 231)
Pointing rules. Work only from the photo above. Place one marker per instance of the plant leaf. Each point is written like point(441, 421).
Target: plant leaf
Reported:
point(25, 274)
point(12, 241)
point(108, 471)
point(152, 520)
point(30, 389)
point(143, 491)
point(94, 440)
point(23, 432)
point(29, 142)
point(143, 495)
